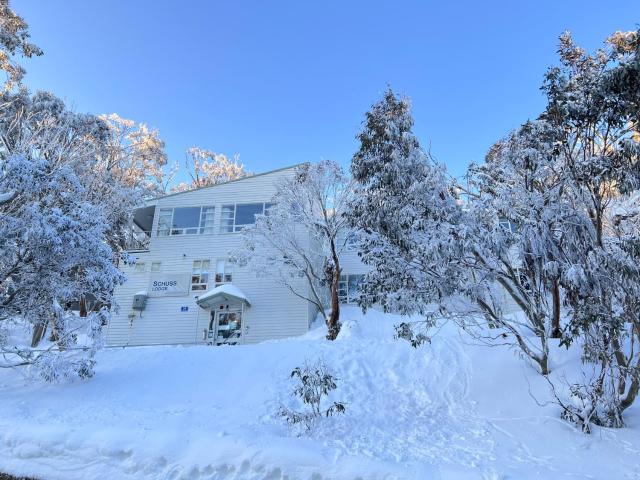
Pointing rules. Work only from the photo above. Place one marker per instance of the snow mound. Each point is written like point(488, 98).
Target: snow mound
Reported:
point(447, 410)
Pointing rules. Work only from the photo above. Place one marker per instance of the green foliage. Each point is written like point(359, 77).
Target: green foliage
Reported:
point(314, 383)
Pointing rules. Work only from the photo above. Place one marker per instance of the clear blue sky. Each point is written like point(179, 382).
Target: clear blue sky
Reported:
point(285, 82)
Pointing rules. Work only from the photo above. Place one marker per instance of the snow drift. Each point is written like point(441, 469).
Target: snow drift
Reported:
point(447, 410)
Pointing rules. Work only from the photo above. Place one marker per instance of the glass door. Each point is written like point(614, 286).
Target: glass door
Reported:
point(228, 326)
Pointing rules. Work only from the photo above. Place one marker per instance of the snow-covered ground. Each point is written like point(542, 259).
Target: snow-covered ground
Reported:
point(448, 410)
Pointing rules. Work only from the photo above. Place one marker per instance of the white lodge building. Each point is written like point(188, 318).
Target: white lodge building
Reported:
point(182, 288)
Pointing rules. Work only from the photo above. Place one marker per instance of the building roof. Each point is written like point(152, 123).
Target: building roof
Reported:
point(232, 181)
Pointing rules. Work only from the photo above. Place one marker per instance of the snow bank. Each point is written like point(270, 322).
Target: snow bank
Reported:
point(448, 410)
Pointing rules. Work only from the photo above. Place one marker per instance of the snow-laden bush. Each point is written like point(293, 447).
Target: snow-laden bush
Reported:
point(314, 382)
point(416, 333)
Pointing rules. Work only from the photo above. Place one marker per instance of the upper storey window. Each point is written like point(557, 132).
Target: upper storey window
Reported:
point(234, 218)
point(185, 221)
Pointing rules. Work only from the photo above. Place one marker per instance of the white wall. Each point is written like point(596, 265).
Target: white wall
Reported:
point(274, 311)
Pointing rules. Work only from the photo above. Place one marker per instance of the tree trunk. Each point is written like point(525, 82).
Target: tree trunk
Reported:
point(333, 322)
point(632, 394)
point(543, 363)
point(38, 334)
point(556, 332)
point(83, 306)
point(634, 387)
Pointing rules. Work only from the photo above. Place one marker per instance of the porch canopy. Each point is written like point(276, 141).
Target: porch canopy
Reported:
point(221, 294)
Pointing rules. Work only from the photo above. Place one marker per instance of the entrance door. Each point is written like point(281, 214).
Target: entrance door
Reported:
point(226, 326)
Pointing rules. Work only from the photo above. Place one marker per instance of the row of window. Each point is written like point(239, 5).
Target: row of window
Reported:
point(200, 274)
point(201, 277)
point(200, 220)
point(142, 266)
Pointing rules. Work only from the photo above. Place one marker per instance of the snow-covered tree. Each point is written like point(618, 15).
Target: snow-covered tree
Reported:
point(70, 210)
point(40, 126)
point(524, 231)
point(593, 106)
point(406, 210)
point(135, 156)
point(14, 40)
point(209, 168)
point(302, 236)
point(67, 187)
point(430, 248)
point(53, 252)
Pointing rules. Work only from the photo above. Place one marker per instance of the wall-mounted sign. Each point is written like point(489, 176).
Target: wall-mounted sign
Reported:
point(169, 285)
point(184, 309)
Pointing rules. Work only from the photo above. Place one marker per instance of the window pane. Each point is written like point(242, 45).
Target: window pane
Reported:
point(155, 266)
point(223, 274)
point(200, 275)
point(354, 283)
point(246, 214)
point(220, 266)
point(186, 217)
point(226, 218)
point(164, 221)
point(342, 289)
point(229, 325)
point(206, 220)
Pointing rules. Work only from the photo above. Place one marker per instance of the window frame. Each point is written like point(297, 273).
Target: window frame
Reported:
point(228, 223)
point(164, 228)
point(347, 298)
point(200, 284)
point(226, 274)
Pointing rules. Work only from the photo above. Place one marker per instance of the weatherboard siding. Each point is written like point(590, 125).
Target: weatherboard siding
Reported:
point(274, 312)
point(350, 263)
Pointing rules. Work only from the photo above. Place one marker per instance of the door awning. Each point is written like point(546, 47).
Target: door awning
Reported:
point(226, 293)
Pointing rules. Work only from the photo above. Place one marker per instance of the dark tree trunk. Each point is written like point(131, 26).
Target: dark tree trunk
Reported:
point(556, 332)
point(333, 322)
point(83, 306)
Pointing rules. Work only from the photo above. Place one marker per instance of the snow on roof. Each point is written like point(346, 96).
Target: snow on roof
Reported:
point(225, 290)
point(142, 292)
